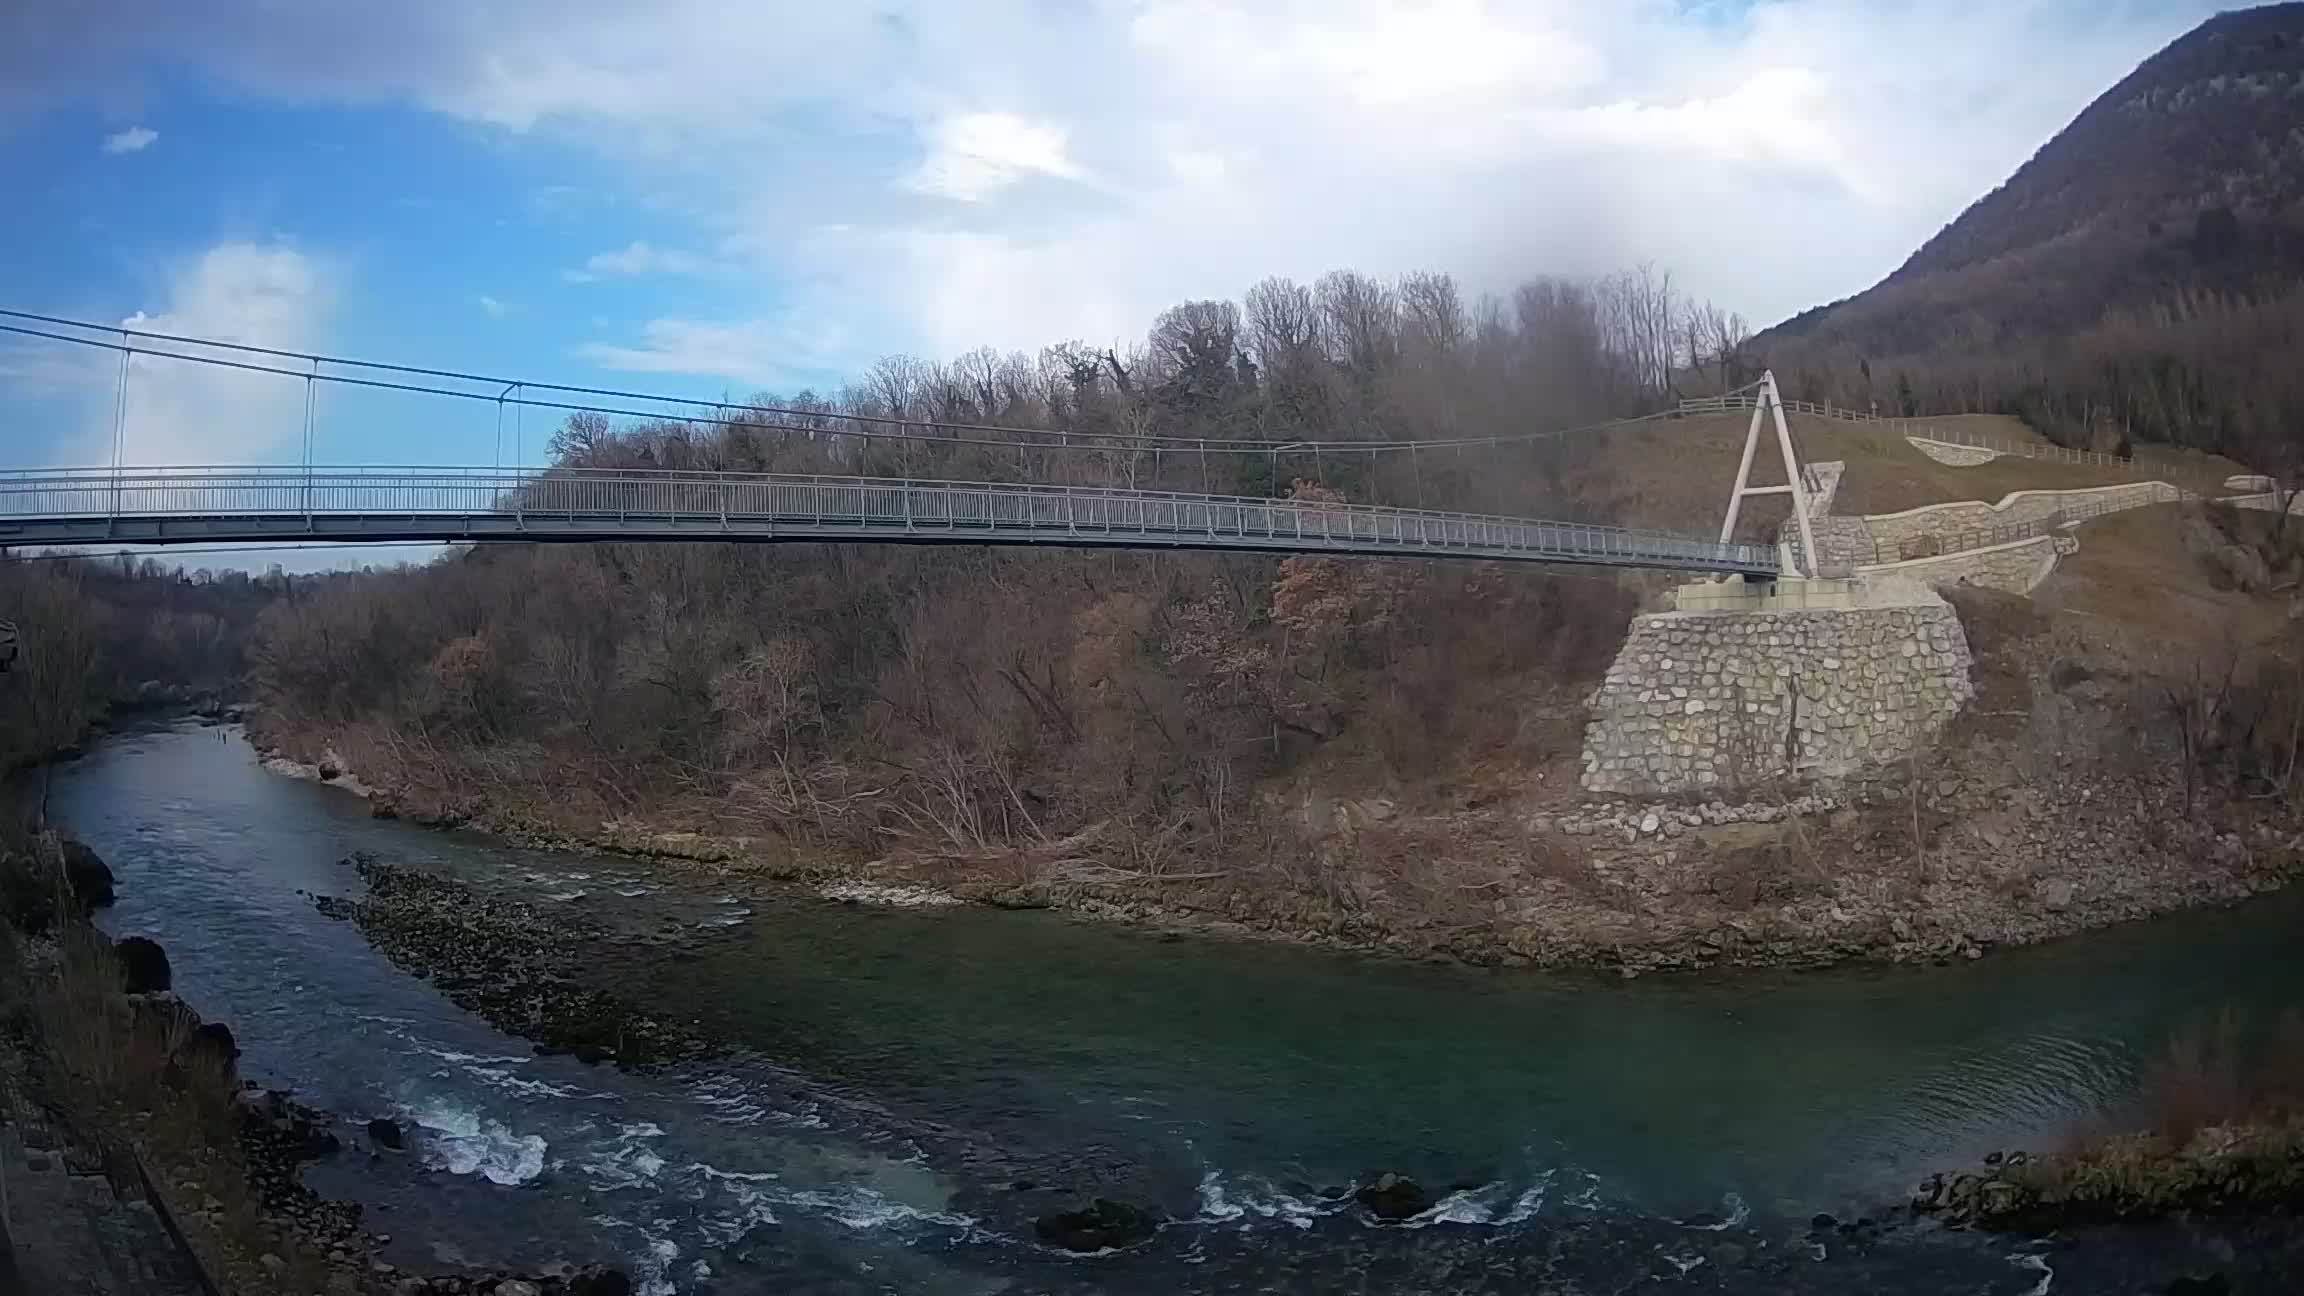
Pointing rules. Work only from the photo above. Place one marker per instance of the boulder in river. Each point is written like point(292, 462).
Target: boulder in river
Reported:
point(88, 876)
point(386, 1134)
point(143, 965)
point(1393, 1197)
point(1105, 1224)
point(213, 1040)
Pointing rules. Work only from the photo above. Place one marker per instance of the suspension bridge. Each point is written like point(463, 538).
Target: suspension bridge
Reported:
point(126, 504)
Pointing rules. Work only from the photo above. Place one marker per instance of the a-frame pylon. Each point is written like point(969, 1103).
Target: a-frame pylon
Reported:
point(1767, 403)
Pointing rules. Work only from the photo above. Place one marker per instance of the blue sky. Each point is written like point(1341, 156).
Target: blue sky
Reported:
point(711, 197)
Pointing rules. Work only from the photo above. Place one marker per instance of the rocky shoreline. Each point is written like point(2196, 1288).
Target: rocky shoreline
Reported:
point(1829, 876)
point(2248, 1168)
point(250, 1209)
point(509, 962)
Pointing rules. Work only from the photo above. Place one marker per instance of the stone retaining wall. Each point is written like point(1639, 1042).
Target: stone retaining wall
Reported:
point(1843, 541)
point(1958, 456)
point(2015, 568)
point(1950, 520)
point(2268, 502)
point(1709, 700)
point(1822, 481)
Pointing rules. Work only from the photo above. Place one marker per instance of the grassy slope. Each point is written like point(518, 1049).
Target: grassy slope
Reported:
point(1675, 473)
point(2133, 576)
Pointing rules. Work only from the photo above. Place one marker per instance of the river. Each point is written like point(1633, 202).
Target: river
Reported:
point(905, 1074)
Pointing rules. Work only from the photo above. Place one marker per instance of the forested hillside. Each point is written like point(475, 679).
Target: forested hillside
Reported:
point(1147, 709)
point(99, 633)
point(2142, 277)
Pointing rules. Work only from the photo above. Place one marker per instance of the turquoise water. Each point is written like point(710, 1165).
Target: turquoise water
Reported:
point(906, 1070)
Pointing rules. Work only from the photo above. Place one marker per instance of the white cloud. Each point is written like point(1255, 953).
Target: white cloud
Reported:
point(640, 258)
point(494, 308)
point(1015, 172)
point(777, 352)
point(135, 139)
point(181, 412)
point(973, 155)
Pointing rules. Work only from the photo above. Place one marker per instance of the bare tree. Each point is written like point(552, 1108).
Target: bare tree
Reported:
point(1640, 323)
point(581, 439)
point(1433, 322)
point(1359, 323)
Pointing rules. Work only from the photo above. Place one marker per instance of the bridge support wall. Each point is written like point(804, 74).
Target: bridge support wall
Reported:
point(1715, 700)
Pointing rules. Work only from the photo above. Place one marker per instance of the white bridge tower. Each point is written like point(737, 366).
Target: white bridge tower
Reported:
point(1766, 403)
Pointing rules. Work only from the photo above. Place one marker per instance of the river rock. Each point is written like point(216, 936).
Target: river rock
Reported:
point(1930, 1194)
point(143, 965)
point(386, 1134)
point(89, 877)
point(1105, 1224)
point(1391, 1197)
point(1999, 1197)
point(213, 1041)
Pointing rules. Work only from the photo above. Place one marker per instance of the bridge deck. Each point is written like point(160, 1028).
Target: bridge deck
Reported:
point(400, 505)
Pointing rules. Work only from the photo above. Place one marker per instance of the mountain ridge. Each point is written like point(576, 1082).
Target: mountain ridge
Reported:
point(2115, 283)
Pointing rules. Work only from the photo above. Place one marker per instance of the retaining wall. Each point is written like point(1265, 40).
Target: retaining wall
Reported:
point(2017, 567)
point(1702, 700)
point(1958, 456)
point(2022, 506)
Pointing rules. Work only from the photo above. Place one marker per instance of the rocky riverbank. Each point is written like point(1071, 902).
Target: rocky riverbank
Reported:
point(96, 1038)
point(1918, 865)
point(511, 963)
point(2249, 1167)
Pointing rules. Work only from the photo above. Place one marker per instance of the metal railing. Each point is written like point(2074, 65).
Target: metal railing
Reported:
point(1745, 401)
point(163, 505)
point(1921, 428)
point(2045, 451)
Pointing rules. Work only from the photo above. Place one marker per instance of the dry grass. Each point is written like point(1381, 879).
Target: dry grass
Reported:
point(122, 1078)
point(2222, 1125)
point(2133, 573)
point(2214, 1074)
point(1674, 473)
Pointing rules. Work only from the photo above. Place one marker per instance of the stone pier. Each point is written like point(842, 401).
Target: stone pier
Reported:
point(1748, 684)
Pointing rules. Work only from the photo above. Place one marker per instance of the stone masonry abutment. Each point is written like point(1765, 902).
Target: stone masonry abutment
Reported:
point(1716, 699)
